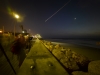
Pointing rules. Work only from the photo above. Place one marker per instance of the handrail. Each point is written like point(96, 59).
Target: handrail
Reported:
point(7, 58)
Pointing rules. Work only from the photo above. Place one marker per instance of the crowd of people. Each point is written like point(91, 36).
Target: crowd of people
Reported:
point(18, 48)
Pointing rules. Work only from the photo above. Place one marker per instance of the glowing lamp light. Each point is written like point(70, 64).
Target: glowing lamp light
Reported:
point(0, 31)
point(16, 16)
point(23, 32)
point(33, 36)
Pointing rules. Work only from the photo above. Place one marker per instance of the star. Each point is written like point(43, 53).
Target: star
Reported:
point(74, 18)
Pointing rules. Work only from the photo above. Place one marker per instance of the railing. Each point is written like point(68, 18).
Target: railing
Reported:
point(7, 58)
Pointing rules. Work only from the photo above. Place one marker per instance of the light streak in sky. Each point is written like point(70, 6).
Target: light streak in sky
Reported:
point(57, 11)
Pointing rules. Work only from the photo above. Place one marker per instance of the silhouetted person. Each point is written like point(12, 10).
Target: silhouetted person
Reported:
point(18, 49)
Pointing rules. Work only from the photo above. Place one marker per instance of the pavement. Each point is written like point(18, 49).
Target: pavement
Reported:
point(40, 61)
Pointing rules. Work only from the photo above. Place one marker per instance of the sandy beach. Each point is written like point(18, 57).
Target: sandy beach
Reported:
point(92, 53)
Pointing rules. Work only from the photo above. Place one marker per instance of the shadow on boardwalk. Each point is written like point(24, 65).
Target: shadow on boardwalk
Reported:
point(5, 68)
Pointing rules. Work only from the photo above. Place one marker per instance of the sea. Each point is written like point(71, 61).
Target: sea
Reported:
point(90, 42)
point(94, 43)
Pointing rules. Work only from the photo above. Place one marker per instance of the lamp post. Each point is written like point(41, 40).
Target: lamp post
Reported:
point(17, 17)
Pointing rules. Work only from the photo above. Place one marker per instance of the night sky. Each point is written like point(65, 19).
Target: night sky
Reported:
point(78, 18)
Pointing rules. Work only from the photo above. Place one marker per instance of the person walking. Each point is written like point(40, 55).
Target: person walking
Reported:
point(18, 48)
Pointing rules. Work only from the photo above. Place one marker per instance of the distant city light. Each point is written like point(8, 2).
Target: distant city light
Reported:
point(37, 36)
point(33, 36)
point(0, 31)
point(23, 32)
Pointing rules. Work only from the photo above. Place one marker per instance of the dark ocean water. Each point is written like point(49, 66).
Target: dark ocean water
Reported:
point(90, 42)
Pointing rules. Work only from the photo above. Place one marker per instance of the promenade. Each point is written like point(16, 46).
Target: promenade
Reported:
point(40, 61)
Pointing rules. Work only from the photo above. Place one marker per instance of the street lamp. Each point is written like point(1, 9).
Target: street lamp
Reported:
point(17, 17)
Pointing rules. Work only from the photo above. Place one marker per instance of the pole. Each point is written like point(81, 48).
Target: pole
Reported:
point(3, 30)
point(14, 30)
point(7, 58)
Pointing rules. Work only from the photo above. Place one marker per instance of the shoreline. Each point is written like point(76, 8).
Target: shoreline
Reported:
point(76, 63)
point(90, 52)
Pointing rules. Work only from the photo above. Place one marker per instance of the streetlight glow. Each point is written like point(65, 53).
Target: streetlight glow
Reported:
point(16, 16)
point(0, 31)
